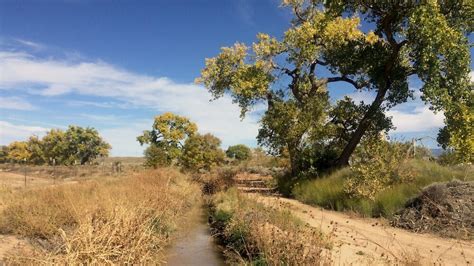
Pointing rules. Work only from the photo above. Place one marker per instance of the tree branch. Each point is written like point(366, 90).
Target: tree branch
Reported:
point(345, 79)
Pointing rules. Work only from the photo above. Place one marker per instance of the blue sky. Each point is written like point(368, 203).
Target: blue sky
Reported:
point(114, 65)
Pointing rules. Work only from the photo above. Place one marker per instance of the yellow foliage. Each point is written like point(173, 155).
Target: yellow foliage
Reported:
point(18, 151)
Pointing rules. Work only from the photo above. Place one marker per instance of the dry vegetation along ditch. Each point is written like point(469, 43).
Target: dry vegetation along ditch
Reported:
point(130, 219)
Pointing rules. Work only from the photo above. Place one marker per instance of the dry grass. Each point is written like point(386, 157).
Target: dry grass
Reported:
point(260, 235)
point(103, 167)
point(126, 220)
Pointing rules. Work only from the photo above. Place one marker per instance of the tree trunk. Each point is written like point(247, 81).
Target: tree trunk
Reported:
point(364, 124)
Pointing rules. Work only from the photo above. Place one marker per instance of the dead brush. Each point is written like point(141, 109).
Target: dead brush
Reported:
point(125, 220)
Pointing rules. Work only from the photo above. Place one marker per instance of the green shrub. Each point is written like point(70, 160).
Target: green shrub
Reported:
point(156, 157)
point(376, 167)
point(239, 152)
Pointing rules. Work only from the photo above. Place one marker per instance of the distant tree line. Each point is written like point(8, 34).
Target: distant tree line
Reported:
point(76, 145)
point(173, 139)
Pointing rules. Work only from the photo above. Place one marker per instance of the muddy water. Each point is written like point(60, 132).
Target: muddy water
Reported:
point(195, 245)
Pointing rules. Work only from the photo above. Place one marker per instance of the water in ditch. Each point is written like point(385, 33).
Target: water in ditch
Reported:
point(195, 245)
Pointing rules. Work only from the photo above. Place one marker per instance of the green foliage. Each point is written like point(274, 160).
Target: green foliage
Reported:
point(155, 157)
point(83, 145)
point(54, 146)
point(201, 152)
point(36, 149)
point(168, 133)
point(3, 154)
point(375, 168)
point(329, 191)
point(239, 152)
point(75, 145)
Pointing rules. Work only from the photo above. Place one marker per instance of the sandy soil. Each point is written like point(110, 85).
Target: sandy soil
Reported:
point(372, 241)
point(15, 180)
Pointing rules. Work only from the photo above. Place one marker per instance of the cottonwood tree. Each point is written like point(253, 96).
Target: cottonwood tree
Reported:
point(3, 153)
point(54, 146)
point(83, 145)
point(35, 148)
point(166, 138)
point(74, 145)
point(407, 39)
point(201, 152)
point(18, 152)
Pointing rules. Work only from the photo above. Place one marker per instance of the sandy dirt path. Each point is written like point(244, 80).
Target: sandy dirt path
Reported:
point(372, 242)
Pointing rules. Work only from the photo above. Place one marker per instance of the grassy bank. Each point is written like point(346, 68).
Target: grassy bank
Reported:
point(328, 191)
point(126, 220)
point(254, 234)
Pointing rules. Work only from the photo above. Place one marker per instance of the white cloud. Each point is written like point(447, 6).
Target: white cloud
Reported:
point(124, 139)
point(363, 96)
point(421, 119)
point(30, 44)
point(15, 103)
point(49, 77)
point(11, 132)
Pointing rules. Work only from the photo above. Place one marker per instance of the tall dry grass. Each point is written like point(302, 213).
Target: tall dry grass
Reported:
point(126, 220)
point(259, 235)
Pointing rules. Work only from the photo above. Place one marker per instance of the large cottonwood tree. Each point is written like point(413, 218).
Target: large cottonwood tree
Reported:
point(423, 39)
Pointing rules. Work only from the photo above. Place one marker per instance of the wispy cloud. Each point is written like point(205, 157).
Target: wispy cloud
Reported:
point(15, 103)
point(11, 132)
point(245, 11)
point(51, 77)
point(419, 120)
point(120, 105)
point(30, 44)
point(410, 117)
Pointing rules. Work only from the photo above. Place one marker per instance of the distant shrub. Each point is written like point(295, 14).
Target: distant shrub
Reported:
point(201, 152)
point(239, 152)
point(448, 157)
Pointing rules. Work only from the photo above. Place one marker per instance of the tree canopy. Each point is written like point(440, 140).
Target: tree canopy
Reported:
point(168, 133)
point(75, 145)
point(202, 152)
point(239, 152)
point(406, 39)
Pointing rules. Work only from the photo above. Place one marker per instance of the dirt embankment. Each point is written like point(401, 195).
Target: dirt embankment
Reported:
point(373, 242)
